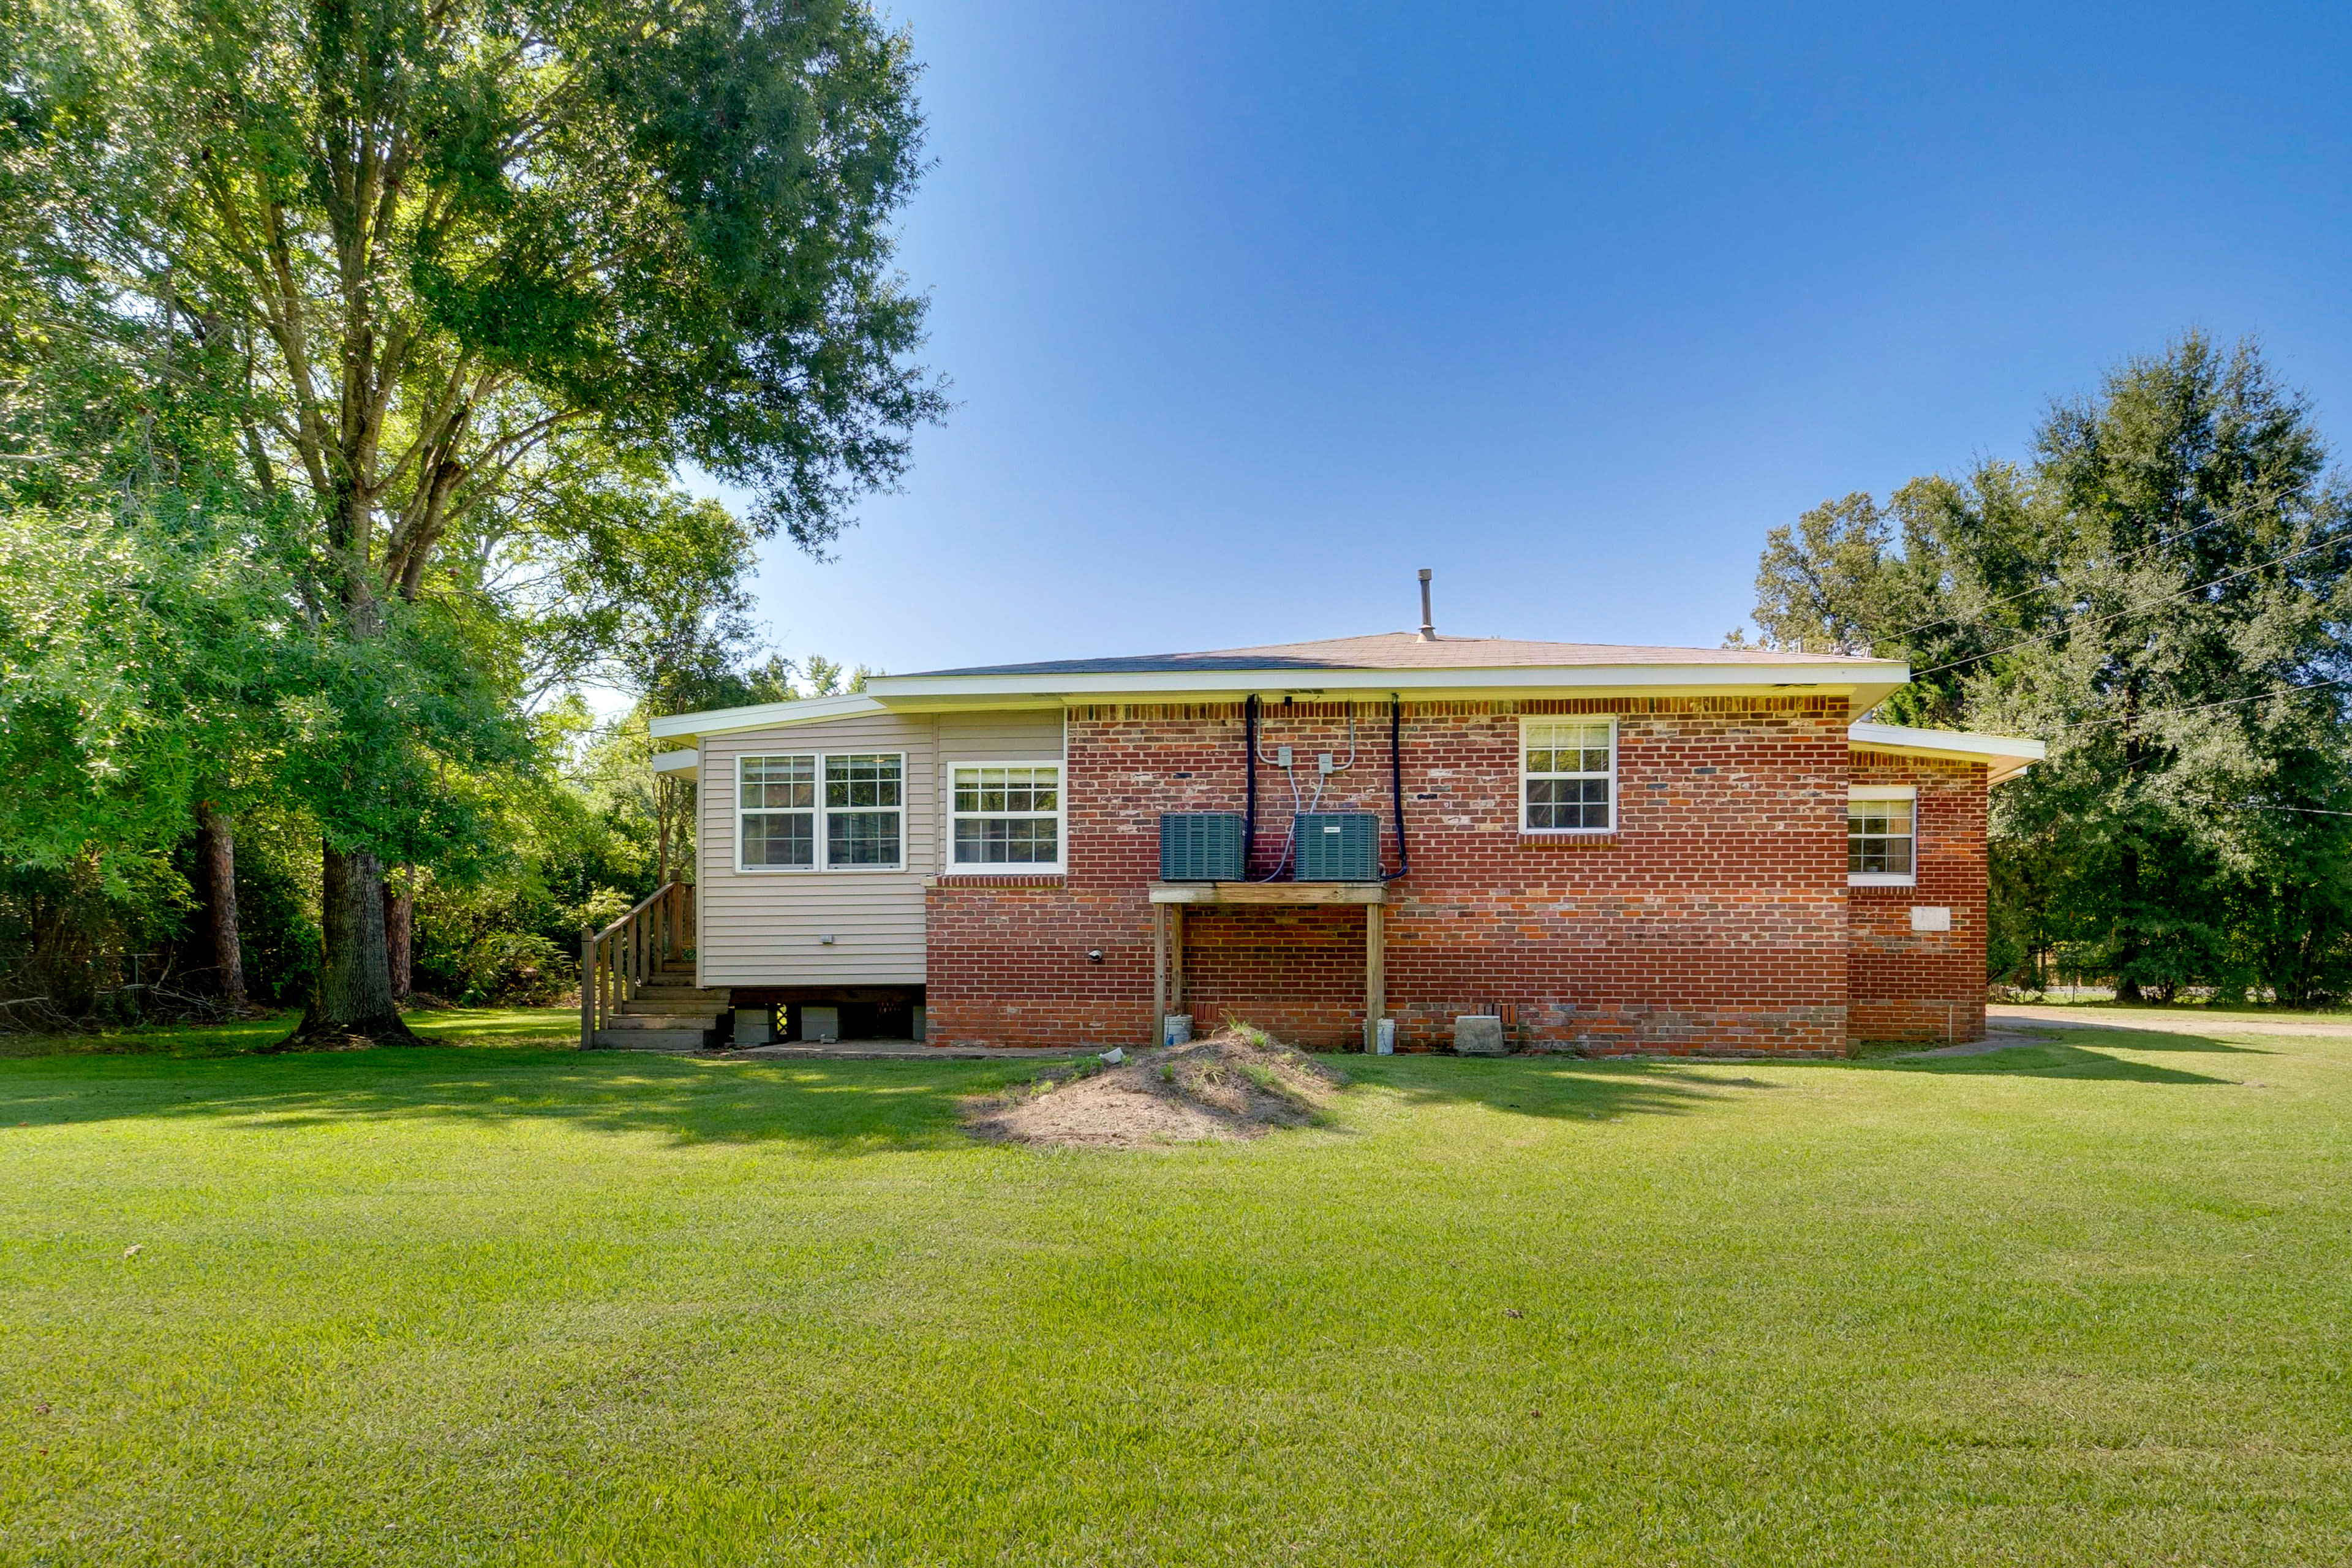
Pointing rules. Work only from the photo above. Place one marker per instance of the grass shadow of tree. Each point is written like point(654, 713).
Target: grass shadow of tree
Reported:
point(1562, 1088)
point(849, 1107)
point(2075, 1057)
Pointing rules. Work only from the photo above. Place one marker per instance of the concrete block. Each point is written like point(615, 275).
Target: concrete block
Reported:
point(1479, 1034)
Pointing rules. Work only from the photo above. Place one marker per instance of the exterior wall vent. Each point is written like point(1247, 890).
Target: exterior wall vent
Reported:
point(1339, 847)
point(1201, 846)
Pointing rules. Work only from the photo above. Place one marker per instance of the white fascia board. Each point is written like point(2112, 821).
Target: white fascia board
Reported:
point(2003, 755)
point(1865, 681)
point(675, 762)
point(763, 716)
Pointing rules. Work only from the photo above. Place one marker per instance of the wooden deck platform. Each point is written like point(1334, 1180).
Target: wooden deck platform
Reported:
point(1170, 899)
point(1269, 892)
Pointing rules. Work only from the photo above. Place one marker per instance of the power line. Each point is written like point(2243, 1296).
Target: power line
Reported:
point(2216, 519)
point(2265, 805)
point(2132, 609)
point(2201, 707)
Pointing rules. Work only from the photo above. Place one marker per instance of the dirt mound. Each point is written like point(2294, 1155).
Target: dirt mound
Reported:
point(1234, 1084)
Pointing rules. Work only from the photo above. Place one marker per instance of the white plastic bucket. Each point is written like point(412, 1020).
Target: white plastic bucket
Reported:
point(1385, 1037)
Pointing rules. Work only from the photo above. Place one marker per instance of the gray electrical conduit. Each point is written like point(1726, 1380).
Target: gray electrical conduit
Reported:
point(1299, 805)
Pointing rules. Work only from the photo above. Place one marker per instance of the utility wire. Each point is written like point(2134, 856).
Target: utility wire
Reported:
point(2216, 519)
point(2201, 707)
point(2134, 609)
point(2265, 805)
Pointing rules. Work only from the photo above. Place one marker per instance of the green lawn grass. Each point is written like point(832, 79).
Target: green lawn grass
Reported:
point(2083, 1302)
point(534, 1026)
point(2237, 1012)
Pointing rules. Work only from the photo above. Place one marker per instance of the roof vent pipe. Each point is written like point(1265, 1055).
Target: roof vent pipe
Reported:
point(1428, 632)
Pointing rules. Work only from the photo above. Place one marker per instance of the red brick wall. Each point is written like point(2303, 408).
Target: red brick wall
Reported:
point(1925, 985)
point(1714, 919)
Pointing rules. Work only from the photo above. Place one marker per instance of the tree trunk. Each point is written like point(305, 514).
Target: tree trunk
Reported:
point(2128, 926)
point(399, 927)
point(220, 874)
point(353, 1006)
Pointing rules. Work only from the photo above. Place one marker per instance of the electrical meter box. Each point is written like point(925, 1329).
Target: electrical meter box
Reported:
point(1201, 846)
point(1339, 847)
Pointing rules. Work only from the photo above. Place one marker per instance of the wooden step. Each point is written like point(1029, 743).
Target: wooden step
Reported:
point(669, 1041)
point(636, 1016)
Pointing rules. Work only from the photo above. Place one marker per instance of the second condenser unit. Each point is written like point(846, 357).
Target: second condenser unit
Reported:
point(1339, 847)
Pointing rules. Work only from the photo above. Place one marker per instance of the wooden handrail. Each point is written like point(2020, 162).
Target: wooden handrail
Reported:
point(615, 962)
point(648, 901)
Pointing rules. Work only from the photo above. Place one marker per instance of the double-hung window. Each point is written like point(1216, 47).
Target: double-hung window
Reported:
point(864, 809)
point(837, 811)
point(1881, 836)
point(1007, 816)
point(776, 811)
point(1567, 775)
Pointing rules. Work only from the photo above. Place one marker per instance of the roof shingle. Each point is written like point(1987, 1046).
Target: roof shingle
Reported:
point(1403, 650)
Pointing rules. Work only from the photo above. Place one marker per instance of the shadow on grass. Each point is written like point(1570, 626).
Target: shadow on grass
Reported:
point(2076, 1058)
point(1567, 1088)
point(536, 1028)
point(840, 1107)
point(844, 1107)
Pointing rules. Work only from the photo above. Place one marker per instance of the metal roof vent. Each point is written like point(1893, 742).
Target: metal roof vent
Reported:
point(1428, 632)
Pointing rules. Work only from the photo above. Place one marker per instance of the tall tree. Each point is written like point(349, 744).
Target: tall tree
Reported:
point(2162, 594)
point(450, 246)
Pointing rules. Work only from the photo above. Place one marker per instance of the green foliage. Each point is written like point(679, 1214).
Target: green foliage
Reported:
point(347, 353)
point(2161, 594)
point(433, 301)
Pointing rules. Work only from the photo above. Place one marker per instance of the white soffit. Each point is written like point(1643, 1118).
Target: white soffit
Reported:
point(1862, 682)
point(2004, 756)
point(763, 716)
point(675, 762)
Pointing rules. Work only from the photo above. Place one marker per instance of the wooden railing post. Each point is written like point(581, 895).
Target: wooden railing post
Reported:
point(618, 962)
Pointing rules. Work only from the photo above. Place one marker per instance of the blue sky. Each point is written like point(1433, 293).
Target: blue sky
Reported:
point(1251, 310)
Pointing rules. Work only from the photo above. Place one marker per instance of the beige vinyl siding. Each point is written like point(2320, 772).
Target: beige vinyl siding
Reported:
point(1017, 735)
point(761, 928)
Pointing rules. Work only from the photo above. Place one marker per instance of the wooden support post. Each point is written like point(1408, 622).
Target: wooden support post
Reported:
point(1376, 976)
point(1159, 971)
point(1175, 959)
point(587, 987)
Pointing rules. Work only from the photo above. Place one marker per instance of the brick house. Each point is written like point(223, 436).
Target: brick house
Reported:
point(1618, 848)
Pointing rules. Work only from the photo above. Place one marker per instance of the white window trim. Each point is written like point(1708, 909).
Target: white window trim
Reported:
point(818, 813)
point(1057, 867)
point(1609, 718)
point(1888, 879)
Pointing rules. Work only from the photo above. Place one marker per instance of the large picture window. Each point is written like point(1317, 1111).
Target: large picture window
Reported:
point(1567, 778)
point(852, 804)
point(1881, 836)
point(1007, 815)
